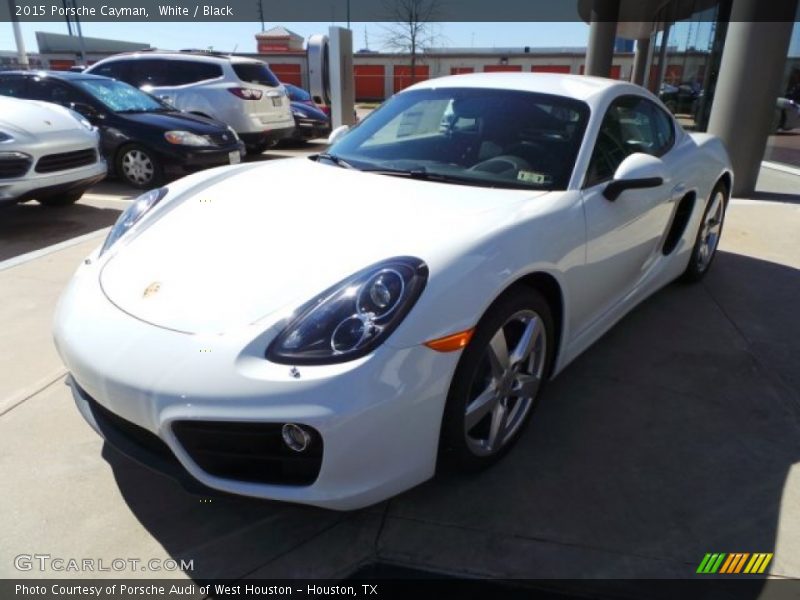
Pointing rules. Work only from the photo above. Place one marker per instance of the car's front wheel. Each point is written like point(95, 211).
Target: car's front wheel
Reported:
point(497, 382)
point(139, 167)
point(705, 245)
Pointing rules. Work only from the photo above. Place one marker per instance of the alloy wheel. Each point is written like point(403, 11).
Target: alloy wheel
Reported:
point(710, 231)
point(506, 383)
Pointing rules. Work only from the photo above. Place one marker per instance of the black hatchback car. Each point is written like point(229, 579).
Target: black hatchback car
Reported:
point(144, 140)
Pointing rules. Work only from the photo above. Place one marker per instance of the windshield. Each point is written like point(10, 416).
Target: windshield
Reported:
point(254, 72)
point(490, 137)
point(120, 97)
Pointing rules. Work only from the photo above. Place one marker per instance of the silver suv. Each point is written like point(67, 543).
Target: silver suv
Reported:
point(236, 90)
point(47, 153)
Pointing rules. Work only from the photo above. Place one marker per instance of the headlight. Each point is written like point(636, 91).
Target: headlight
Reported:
point(4, 137)
point(353, 317)
point(299, 113)
point(186, 138)
point(132, 215)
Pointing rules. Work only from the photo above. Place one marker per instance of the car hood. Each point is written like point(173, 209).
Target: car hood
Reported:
point(311, 111)
point(240, 243)
point(176, 120)
point(31, 118)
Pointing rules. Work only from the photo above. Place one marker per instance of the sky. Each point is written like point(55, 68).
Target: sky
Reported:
point(227, 36)
point(241, 36)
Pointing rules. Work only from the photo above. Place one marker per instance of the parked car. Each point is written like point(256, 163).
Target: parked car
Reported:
point(239, 91)
point(787, 115)
point(683, 98)
point(309, 120)
point(144, 140)
point(405, 310)
point(47, 153)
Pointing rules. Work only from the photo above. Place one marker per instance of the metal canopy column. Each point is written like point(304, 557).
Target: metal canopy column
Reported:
point(640, 60)
point(750, 74)
point(602, 31)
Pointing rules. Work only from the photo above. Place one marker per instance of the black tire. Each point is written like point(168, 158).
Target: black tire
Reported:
point(699, 261)
point(147, 175)
point(459, 447)
point(62, 199)
point(256, 149)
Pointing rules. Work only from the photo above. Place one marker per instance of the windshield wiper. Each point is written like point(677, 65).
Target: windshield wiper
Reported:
point(339, 162)
point(422, 173)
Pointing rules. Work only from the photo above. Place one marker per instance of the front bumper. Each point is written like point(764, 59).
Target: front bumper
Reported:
point(186, 159)
point(309, 129)
point(378, 416)
point(267, 137)
point(37, 185)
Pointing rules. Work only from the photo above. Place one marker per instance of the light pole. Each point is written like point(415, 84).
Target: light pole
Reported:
point(22, 56)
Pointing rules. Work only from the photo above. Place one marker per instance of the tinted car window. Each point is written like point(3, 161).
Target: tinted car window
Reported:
point(115, 70)
point(632, 124)
point(12, 86)
point(150, 72)
point(183, 72)
point(255, 73)
point(50, 90)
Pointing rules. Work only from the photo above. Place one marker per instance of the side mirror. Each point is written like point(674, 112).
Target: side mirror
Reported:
point(87, 110)
point(338, 134)
point(637, 171)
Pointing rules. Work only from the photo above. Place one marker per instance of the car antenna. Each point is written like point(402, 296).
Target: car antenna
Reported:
point(234, 50)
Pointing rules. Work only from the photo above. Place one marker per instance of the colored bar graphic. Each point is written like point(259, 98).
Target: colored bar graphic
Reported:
point(704, 563)
point(741, 562)
point(734, 563)
point(729, 562)
point(763, 567)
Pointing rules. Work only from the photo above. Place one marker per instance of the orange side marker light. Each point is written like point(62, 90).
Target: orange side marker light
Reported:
point(451, 343)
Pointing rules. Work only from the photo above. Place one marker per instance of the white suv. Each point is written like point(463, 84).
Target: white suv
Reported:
point(47, 153)
point(239, 91)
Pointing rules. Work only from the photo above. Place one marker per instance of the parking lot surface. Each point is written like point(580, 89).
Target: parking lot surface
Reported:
point(677, 434)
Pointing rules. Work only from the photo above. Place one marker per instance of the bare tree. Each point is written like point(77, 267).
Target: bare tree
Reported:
point(412, 28)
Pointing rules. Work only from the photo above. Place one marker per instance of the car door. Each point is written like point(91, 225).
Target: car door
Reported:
point(624, 236)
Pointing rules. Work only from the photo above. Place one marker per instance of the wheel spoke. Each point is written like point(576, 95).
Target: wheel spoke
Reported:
point(480, 407)
point(533, 329)
point(498, 354)
point(714, 210)
point(526, 386)
point(497, 426)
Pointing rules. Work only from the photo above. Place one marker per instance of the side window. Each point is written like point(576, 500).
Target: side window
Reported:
point(150, 72)
point(184, 72)
point(631, 124)
point(53, 91)
point(115, 70)
point(12, 86)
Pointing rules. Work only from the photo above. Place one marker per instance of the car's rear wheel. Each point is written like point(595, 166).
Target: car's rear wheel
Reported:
point(705, 245)
point(139, 167)
point(61, 199)
point(497, 382)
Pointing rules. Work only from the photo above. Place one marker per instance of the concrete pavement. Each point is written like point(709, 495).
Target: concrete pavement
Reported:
point(676, 434)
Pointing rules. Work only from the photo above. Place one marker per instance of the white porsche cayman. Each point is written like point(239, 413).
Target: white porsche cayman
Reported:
point(329, 330)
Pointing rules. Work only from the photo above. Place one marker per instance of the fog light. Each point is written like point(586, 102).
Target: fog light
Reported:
point(295, 437)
